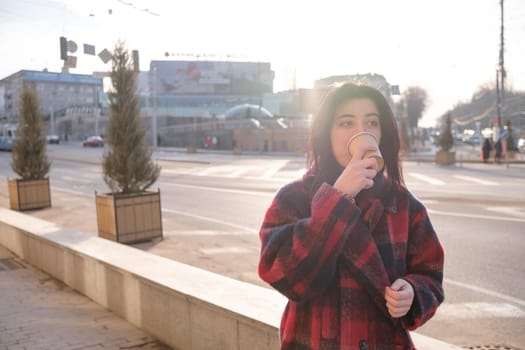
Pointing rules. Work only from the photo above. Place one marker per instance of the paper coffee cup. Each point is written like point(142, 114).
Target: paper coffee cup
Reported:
point(368, 139)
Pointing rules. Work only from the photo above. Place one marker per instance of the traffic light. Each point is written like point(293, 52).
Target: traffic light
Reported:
point(63, 48)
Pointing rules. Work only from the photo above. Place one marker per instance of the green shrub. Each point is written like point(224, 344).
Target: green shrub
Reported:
point(446, 141)
point(127, 165)
point(29, 150)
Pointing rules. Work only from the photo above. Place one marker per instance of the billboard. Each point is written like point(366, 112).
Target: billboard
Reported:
point(211, 77)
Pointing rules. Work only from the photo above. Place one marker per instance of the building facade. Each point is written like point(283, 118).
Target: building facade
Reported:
point(57, 93)
point(186, 103)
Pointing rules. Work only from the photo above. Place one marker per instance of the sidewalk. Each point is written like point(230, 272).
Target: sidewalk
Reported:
point(38, 312)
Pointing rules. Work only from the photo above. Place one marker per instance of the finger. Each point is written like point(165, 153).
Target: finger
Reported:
point(398, 308)
point(397, 303)
point(360, 152)
point(369, 183)
point(397, 313)
point(371, 164)
point(398, 284)
point(370, 173)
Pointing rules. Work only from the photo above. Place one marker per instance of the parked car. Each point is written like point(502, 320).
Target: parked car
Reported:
point(473, 140)
point(8, 136)
point(521, 145)
point(53, 139)
point(93, 141)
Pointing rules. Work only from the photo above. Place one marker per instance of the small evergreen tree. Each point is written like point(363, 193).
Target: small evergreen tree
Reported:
point(446, 141)
point(511, 145)
point(29, 150)
point(127, 166)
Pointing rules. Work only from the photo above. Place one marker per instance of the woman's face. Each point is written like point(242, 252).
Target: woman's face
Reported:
point(351, 117)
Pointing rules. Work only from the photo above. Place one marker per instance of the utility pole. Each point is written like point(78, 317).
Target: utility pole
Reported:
point(154, 117)
point(501, 70)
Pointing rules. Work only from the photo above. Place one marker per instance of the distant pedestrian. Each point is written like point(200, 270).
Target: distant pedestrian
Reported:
point(497, 152)
point(487, 147)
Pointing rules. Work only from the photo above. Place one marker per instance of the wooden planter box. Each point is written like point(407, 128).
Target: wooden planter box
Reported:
point(29, 194)
point(129, 218)
point(445, 158)
point(511, 155)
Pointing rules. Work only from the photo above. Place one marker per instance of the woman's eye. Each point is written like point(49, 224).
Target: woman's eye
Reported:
point(346, 123)
point(374, 123)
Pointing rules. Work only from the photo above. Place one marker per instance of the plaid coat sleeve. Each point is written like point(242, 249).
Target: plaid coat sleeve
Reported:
point(302, 239)
point(424, 266)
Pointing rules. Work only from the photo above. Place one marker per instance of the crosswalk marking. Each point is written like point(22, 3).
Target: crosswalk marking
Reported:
point(301, 172)
point(477, 310)
point(223, 170)
point(430, 180)
point(476, 180)
point(270, 172)
point(275, 172)
point(239, 172)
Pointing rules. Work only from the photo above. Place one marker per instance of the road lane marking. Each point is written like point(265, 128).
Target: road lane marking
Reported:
point(473, 216)
point(204, 233)
point(476, 180)
point(76, 180)
point(477, 310)
point(60, 189)
point(430, 180)
point(226, 250)
point(515, 211)
point(486, 291)
point(224, 190)
point(206, 218)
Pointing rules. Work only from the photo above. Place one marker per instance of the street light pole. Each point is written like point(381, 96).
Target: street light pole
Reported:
point(501, 70)
point(154, 117)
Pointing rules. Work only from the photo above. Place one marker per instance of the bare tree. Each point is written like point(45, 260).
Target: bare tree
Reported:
point(415, 99)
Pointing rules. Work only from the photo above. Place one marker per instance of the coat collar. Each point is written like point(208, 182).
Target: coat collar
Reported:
point(376, 200)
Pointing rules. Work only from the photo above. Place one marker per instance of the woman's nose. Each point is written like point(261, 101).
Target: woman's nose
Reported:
point(361, 127)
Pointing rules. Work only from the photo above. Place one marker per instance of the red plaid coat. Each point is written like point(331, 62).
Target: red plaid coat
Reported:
point(333, 258)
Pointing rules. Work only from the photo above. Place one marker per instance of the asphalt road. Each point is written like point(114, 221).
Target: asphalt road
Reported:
point(213, 204)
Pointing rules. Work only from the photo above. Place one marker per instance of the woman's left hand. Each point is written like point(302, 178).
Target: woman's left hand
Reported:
point(399, 297)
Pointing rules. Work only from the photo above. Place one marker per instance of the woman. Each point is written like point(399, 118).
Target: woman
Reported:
point(350, 247)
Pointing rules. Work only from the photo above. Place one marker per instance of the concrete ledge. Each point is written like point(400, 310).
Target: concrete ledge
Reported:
point(183, 306)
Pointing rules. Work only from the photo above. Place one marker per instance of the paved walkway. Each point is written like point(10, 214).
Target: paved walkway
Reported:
point(39, 312)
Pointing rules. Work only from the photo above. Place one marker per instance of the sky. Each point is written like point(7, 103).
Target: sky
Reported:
point(448, 47)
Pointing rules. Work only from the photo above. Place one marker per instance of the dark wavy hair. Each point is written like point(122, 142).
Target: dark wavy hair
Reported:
point(321, 160)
